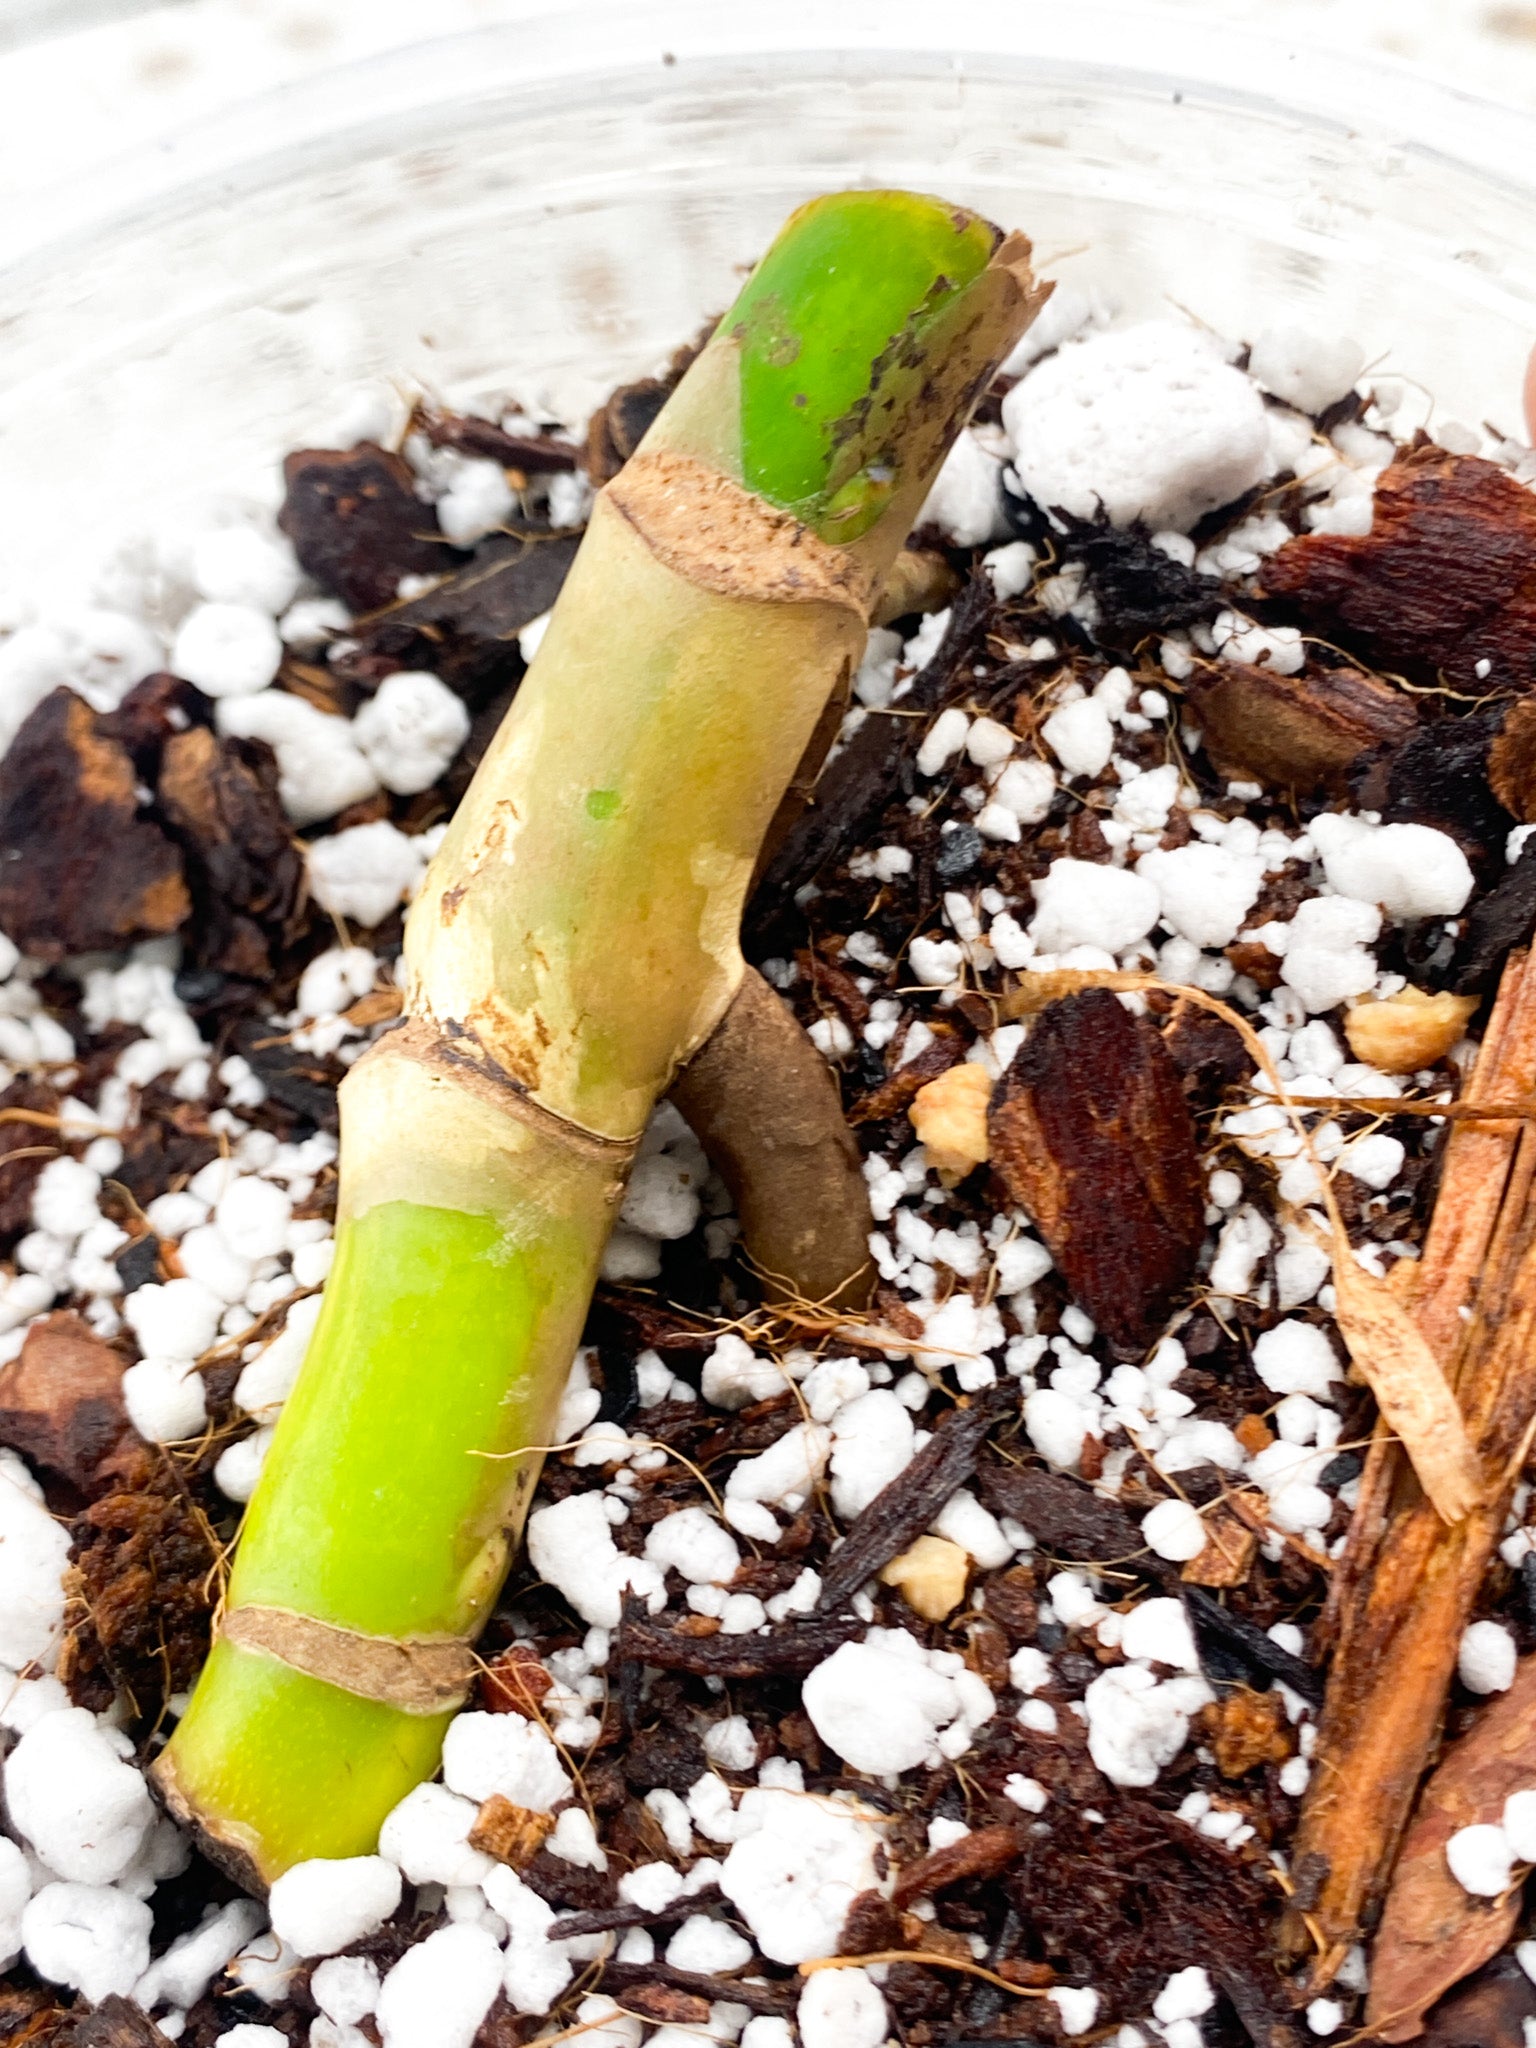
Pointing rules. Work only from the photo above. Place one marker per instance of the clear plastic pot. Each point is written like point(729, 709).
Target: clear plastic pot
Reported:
point(543, 206)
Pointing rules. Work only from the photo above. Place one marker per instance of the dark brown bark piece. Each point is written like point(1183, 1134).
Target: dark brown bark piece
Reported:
point(873, 1923)
point(789, 1651)
point(1138, 589)
point(1440, 777)
point(613, 1919)
point(25, 1149)
point(1432, 1933)
point(896, 1093)
point(766, 1109)
point(220, 799)
point(1091, 1134)
point(1062, 1515)
point(116, 2023)
point(61, 1403)
point(465, 628)
point(80, 870)
point(754, 1994)
point(1489, 2011)
point(1498, 922)
point(1445, 579)
point(903, 1509)
point(533, 454)
point(856, 786)
point(1296, 732)
point(985, 1852)
point(618, 426)
point(357, 525)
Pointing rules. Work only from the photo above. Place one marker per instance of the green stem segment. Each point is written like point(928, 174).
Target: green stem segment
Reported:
point(575, 941)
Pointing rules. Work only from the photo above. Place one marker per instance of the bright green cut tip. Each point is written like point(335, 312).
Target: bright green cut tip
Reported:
point(603, 803)
point(831, 327)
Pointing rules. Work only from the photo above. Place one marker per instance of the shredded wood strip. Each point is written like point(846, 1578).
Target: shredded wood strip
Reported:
point(1408, 1579)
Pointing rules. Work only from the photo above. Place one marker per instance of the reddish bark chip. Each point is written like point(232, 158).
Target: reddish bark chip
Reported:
point(1091, 1134)
point(357, 525)
point(1432, 1933)
point(80, 870)
point(1295, 732)
point(61, 1403)
point(1445, 579)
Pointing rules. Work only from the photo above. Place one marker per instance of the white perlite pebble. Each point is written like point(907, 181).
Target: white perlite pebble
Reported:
point(427, 1834)
point(440, 1990)
point(227, 650)
point(796, 1867)
point(328, 1903)
point(734, 1376)
point(15, 1890)
point(571, 1546)
point(489, 1753)
point(176, 1319)
point(1481, 1860)
point(965, 500)
point(695, 1546)
point(1077, 2007)
point(181, 1976)
point(90, 1937)
point(477, 501)
point(707, 1947)
point(364, 873)
point(872, 1441)
point(320, 768)
point(1326, 956)
point(1080, 903)
point(1175, 1530)
point(1135, 1725)
point(79, 1802)
point(881, 1711)
point(1158, 1632)
point(34, 1551)
point(252, 1216)
point(410, 730)
point(1486, 1657)
point(841, 2009)
point(1296, 1358)
point(1146, 423)
point(1304, 369)
point(165, 1400)
point(251, 2034)
point(730, 1744)
point(1205, 891)
point(1410, 871)
point(1519, 1820)
point(268, 1380)
point(238, 565)
point(1185, 1996)
point(333, 981)
point(1081, 736)
point(346, 1989)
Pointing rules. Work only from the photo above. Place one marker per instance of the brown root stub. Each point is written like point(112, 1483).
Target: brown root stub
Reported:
point(766, 1110)
point(1091, 1134)
point(1445, 579)
point(1295, 732)
point(80, 870)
